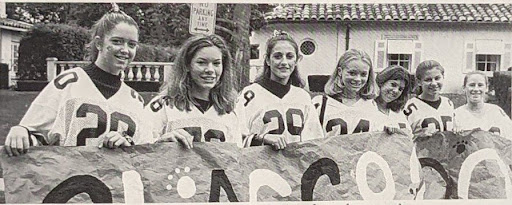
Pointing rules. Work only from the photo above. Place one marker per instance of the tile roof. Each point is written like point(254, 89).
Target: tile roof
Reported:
point(14, 24)
point(470, 13)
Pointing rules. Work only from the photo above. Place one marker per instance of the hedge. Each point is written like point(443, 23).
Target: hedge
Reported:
point(49, 40)
point(502, 87)
point(68, 43)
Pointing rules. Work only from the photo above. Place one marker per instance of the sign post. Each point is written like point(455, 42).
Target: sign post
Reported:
point(202, 18)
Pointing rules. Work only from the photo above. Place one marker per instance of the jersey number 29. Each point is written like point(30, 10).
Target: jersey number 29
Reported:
point(276, 115)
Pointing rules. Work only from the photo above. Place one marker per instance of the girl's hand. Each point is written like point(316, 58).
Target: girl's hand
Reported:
point(277, 141)
point(17, 142)
point(424, 132)
point(394, 130)
point(113, 140)
point(180, 135)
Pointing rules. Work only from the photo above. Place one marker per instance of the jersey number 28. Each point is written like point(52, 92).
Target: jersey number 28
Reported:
point(101, 127)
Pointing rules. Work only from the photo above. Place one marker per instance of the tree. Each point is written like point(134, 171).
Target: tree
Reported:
point(242, 49)
point(159, 23)
point(35, 12)
point(164, 25)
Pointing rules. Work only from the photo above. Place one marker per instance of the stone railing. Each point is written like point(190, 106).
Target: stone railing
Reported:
point(137, 71)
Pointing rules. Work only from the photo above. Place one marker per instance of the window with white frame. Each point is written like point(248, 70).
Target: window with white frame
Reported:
point(486, 55)
point(487, 62)
point(403, 52)
point(403, 60)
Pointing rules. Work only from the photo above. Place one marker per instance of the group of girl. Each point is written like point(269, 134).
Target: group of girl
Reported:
point(92, 106)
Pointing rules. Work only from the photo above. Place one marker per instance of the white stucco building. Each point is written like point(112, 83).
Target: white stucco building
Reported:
point(10, 35)
point(462, 37)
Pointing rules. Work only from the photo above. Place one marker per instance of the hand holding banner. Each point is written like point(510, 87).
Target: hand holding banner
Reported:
point(361, 166)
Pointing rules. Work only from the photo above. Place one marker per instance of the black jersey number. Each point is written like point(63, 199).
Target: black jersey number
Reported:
point(101, 127)
point(248, 96)
point(135, 95)
point(159, 104)
point(408, 109)
point(362, 126)
point(197, 133)
point(292, 128)
point(431, 120)
point(63, 80)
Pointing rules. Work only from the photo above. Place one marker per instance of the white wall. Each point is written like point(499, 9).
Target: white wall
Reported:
point(6, 39)
point(6, 47)
point(322, 61)
point(443, 42)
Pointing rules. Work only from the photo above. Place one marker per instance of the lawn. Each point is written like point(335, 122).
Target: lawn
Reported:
point(13, 106)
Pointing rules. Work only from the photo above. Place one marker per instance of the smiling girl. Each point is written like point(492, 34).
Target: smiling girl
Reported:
point(429, 112)
point(89, 105)
point(476, 114)
point(276, 110)
point(394, 84)
point(347, 106)
point(196, 104)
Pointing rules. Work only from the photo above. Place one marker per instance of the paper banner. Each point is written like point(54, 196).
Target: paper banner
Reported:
point(472, 165)
point(355, 167)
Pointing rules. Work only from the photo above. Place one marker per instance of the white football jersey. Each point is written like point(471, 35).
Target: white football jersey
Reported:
point(421, 115)
point(261, 112)
point(341, 119)
point(492, 119)
point(396, 119)
point(204, 127)
point(71, 111)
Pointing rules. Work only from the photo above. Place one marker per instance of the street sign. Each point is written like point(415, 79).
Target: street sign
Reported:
point(202, 18)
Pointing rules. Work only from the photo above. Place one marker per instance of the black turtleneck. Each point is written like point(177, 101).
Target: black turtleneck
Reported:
point(106, 83)
point(204, 105)
point(434, 104)
point(274, 87)
point(337, 97)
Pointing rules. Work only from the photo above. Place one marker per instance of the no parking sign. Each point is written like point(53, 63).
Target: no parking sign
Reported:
point(202, 18)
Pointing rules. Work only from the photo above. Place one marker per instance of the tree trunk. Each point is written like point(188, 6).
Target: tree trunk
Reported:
point(241, 17)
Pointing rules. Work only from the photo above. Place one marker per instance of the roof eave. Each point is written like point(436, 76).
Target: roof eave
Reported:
point(390, 21)
point(13, 28)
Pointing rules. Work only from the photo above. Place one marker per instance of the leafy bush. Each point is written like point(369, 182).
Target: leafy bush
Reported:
point(68, 43)
point(49, 40)
point(150, 53)
point(502, 87)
